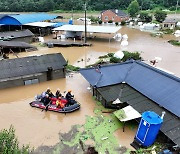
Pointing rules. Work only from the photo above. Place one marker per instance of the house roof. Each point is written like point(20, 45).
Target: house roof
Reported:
point(157, 85)
point(171, 20)
point(15, 44)
point(18, 67)
point(90, 29)
point(16, 34)
point(22, 19)
point(171, 124)
point(117, 12)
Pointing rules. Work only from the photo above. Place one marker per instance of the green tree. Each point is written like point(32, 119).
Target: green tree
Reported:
point(131, 55)
point(133, 8)
point(9, 143)
point(145, 17)
point(160, 16)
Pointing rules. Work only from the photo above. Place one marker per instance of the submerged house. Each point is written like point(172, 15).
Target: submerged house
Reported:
point(169, 23)
point(141, 86)
point(30, 70)
point(21, 35)
point(113, 15)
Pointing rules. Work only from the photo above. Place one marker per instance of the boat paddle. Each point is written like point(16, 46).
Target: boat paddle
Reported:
point(46, 106)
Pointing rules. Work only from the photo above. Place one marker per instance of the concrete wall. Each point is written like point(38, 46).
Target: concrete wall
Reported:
point(58, 74)
point(19, 81)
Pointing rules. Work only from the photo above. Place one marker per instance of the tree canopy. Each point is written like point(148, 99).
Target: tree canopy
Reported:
point(160, 16)
point(98, 5)
point(133, 8)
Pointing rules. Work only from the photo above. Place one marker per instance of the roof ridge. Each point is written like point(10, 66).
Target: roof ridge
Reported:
point(159, 71)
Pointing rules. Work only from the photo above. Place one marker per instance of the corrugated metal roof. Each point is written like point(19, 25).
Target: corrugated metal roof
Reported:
point(171, 123)
point(22, 19)
point(157, 85)
point(10, 68)
point(106, 75)
point(16, 34)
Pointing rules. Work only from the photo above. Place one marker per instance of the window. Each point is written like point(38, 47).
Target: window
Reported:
point(112, 18)
point(32, 81)
point(165, 25)
point(106, 17)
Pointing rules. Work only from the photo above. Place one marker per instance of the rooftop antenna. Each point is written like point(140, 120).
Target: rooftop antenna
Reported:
point(177, 5)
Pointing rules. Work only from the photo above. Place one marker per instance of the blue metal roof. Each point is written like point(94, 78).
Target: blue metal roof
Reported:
point(106, 75)
point(25, 18)
point(157, 85)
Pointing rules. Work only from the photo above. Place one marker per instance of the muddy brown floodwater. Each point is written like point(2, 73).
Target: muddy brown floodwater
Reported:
point(41, 128)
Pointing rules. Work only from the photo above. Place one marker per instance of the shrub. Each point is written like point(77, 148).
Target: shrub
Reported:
point(72, 68)
point(131, 55)
point(168, 31)
point(93, 19)
point(110, 21)
point(9, 143)
point(123, 23)
point(174, 42)
point(110, 54)
point(100, 22)
point(115, 60)
point(116, 23)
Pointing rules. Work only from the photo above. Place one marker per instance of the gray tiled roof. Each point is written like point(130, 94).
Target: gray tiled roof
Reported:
point(15, 44)
point(18, 67)
point(16, 34)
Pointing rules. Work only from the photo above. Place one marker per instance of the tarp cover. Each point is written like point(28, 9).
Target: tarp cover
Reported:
point(127, 113)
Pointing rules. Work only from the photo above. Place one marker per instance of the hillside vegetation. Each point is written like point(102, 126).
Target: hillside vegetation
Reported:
point(93, 5)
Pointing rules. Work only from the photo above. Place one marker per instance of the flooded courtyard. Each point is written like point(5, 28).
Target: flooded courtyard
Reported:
point(42, 128)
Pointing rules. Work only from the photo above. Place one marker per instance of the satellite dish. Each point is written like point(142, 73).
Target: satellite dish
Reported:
point(119, 54)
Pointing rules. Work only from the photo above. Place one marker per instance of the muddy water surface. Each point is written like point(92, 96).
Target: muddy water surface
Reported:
point(42, 128)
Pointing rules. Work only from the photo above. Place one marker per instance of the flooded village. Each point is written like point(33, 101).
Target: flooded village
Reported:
point(97, 125)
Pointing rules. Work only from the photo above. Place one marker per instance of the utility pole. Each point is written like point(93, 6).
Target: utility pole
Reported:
point(85, 23)
point(176, 6)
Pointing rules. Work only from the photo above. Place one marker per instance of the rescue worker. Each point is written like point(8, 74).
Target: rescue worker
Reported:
point(46, 101)
point(48, 91)
point(58, 93)
point(70, 97)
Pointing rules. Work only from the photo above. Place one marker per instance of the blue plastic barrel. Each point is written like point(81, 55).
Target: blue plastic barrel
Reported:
point(148, 128)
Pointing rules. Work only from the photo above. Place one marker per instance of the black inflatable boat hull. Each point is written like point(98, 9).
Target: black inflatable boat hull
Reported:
point(51, 107)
